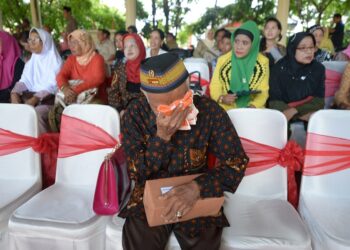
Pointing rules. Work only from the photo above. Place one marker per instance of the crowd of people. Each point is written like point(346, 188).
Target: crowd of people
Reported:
point(249, 69)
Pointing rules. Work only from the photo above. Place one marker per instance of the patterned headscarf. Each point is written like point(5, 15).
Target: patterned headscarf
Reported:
point(86, 43)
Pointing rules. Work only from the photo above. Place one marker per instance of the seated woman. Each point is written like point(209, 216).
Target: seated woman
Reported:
point(83, 74)
point(342, 96)
point(207, 48)
point(156, 43)
point(37, 85)
point(126, 77)
point(320, 54)
point(343, 55)
point(241, 77)
point(326, 43)
point(11, 65)
point(297, 81)
point(269, 46)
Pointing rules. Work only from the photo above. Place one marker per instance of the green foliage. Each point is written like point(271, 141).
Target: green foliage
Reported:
point(13, 12)
point(236, 12)
point(90, 14)
point(146, 30)
point(320, 11)
point(141, 14)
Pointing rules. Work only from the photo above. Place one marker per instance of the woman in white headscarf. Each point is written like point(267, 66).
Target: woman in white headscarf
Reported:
point(37, 85)
point(207, 48)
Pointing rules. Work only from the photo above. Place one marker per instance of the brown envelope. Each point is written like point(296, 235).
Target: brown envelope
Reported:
point(154, 206)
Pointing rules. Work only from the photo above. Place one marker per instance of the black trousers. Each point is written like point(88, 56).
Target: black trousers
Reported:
point(137, 235)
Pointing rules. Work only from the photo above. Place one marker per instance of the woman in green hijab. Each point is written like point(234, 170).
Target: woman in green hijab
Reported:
point(241, 77)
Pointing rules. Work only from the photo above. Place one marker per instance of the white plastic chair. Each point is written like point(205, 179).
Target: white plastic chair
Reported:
point(325, 199)
point(198, 65)
point(258, 212)
point(61, 217)
point(20, 173)
point(333, 68)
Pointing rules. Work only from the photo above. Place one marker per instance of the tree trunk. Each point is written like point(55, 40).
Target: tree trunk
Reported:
point(154, 10)
point(166, 14)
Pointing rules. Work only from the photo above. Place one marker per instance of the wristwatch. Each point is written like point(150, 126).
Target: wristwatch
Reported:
point(221, 98)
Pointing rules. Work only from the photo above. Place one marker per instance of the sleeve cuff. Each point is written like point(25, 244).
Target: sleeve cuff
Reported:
point(208, 186)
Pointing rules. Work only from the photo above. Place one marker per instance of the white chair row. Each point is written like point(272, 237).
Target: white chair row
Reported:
point(61, 216)
point(259, 214)
point(324, 201)
point(20, 173)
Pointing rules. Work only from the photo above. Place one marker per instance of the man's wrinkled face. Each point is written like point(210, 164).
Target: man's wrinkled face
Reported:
point(155, 100)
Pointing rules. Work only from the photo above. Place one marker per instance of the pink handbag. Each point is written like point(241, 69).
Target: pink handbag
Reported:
point(113, 184)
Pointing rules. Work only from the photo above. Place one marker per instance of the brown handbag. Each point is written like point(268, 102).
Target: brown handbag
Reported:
point(47, 100)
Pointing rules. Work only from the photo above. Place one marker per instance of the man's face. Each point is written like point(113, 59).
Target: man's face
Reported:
point(226, 45)
point(65, 14)
point(119, 41)
point(101, 36)
point(155, 100)
point(219, 36)
point(336, 19)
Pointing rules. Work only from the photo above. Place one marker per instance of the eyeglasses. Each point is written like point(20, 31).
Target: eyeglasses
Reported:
point(33, 40)
point(73, 43)
point(307, 49)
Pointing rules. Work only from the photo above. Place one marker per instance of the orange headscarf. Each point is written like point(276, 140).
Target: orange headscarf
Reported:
point(86, 43)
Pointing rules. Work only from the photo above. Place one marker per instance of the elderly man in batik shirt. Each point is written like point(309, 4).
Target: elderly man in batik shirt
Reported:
point(157, 147)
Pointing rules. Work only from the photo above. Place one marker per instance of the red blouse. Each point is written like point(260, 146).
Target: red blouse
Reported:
point(93, 75)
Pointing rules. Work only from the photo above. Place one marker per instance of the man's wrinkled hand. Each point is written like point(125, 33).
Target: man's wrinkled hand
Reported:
point(180, 201)
point(168, 125)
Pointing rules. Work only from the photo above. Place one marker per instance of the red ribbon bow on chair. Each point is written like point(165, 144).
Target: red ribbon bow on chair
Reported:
point(79, 136)
point(46, 144)
point(263, 157)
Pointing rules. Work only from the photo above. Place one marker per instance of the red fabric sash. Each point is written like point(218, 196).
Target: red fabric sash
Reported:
point(301, 102)
point(11, 142)
point(46, 144)
point(78, 136)
point(332, 82)
point(203, 82)
point(263, 157)
point(326, 154)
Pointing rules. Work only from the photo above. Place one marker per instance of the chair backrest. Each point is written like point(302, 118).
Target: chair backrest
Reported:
point(338, 66)
point(335, 123)
point(334, 72)
point(25, 164)
point(82, 169)
point(198, 64)
point(267, 127)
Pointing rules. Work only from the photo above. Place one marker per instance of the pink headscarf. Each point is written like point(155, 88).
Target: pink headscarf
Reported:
point(347, 51)
point(8, 57)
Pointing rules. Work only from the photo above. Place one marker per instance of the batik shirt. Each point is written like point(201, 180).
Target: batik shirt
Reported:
point(150, 157)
